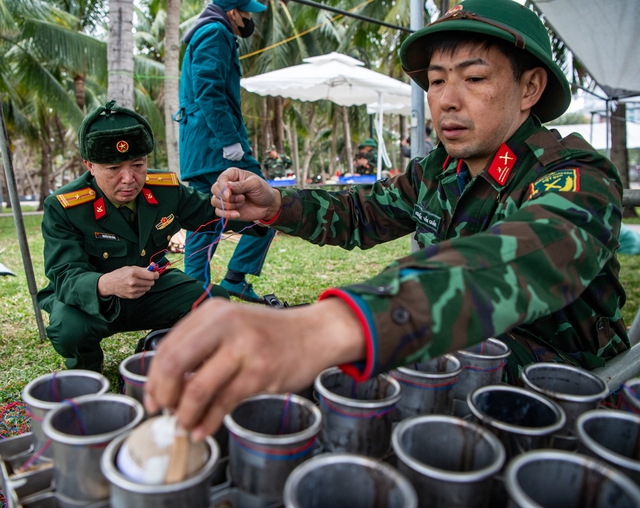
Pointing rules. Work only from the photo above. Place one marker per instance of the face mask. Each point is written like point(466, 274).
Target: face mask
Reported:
point(247, 29)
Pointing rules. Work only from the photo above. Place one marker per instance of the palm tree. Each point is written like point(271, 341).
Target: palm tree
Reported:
point(120, 61)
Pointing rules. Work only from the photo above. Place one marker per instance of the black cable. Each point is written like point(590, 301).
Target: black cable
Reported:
point(352, 15)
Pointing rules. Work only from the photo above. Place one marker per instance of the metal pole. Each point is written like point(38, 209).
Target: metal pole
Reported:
point(19, 222)
point(608, 148)
point(418, 147)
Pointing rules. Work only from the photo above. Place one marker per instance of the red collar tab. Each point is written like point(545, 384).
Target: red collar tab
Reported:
point(502, 164)
point(148, 195)
point(446, 162)
point(459, 166)
point(99, 209)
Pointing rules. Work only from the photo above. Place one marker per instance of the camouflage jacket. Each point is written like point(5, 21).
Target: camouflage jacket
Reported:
point(525, 252)
point(372, 162)
point(276, 167)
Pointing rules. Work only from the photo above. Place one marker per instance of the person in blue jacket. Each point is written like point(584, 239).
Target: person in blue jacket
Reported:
point(213, 136)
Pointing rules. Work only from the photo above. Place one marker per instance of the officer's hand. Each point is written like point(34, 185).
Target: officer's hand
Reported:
point(127, 282)
point(243, 195)
point(224, 352)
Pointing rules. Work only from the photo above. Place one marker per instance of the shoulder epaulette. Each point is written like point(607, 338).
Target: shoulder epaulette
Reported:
point(75, 198)
point(166, 178)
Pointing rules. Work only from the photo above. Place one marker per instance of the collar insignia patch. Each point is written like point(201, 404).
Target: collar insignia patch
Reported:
point(99, 209)
point(502, 164)
point(563, 180)
point(122, 146)
point(148, 195)
point(165, 222)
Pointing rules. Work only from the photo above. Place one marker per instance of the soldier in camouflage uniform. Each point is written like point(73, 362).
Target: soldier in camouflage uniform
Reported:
point(517, 231)
point(275, 165)
point(366, 160)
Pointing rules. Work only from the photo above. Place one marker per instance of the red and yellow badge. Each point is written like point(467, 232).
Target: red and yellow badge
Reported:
point(99, 210)
point(122, 146)
point(502, 164)
point(148, 195)
point(165, 222)
point(563, 180)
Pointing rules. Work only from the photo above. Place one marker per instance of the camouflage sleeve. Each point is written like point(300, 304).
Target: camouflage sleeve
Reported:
point(360, 217)
point(536, 261)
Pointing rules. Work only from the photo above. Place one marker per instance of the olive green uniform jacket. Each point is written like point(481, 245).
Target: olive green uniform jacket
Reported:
point(524, 252)
point(82, 242)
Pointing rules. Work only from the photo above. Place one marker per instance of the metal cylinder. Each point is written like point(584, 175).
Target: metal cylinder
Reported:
point(134, 371)
point(631, 396)
point(554, 478)
point(482, 365)
point(449, 461)
point(46, 392)
point(612, 436)
point(357, 417)
point(523, 420)
point(192, 492)
point(347, 481)
point(80, 429)
point(427, 387)
point(269, 435)
point(574, 389)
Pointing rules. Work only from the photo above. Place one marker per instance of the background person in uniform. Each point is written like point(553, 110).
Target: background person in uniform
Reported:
point(103, 230)
point(405, 144)
point(275, 164)
point(517, 230)
point(213, 136)
point(366, 160)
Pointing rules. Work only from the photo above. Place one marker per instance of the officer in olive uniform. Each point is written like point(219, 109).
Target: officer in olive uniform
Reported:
point(102, 233)
point(275, 165)
point(366, 161)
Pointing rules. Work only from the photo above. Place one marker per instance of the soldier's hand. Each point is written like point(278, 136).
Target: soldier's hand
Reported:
point(224, 352)
point(127, 282)
point(239, 194)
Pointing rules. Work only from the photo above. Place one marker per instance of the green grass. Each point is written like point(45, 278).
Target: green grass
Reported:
point(296, 271)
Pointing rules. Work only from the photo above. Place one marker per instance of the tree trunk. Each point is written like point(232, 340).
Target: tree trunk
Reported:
point(295, 154)
point(120, 53)
point(619, 154)
point(334, 145)
point(45, 165)
point(78, 84)
point(265, 136)
point(172, 76)
point(347, 140)
point(278, 126)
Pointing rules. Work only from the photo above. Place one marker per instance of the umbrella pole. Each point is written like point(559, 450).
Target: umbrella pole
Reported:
point(19, 222)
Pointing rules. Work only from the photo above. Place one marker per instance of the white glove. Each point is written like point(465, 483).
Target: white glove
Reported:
point(233, 152)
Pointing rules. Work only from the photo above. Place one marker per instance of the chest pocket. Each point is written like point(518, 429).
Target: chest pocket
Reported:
point(106, 254)
point(161, 237)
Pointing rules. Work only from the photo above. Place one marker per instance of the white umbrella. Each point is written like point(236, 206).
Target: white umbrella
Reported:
point(337, 78)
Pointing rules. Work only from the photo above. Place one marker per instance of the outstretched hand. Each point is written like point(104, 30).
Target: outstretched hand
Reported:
point(224, 352)
point(239, 194)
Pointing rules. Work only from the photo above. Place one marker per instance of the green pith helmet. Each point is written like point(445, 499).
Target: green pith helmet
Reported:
point(504, 19)
point(370, 142)
point(111, 134)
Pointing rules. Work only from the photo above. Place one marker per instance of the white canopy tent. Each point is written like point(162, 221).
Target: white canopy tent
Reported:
point(604, 35)
point(340, 79)
point(596, 134)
